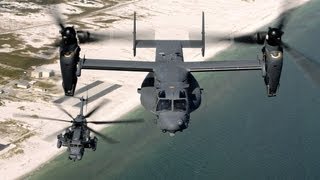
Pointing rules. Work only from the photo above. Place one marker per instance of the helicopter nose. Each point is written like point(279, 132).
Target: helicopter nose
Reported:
point(172, 122)
point(72, 157)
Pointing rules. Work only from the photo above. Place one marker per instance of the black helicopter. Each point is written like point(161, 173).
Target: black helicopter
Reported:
point(77, 136)
point(170, 91)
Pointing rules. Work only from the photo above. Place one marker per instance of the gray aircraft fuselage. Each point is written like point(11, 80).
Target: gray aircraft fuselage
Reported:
point(171, 92)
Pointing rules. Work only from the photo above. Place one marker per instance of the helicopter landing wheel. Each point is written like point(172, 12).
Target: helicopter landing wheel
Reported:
point(59, 144)
point(94, 143)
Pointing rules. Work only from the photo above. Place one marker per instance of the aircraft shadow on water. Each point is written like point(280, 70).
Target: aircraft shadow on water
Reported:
point(169, 90)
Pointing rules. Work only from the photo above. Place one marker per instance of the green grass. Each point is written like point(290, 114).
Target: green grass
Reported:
point(43, 2)
point(11, 73)
point(2, 103)
point(18, 58)
point(11, 39)
point(13, 126)
point(44, 85)
point(21, 58)
point(22, 61)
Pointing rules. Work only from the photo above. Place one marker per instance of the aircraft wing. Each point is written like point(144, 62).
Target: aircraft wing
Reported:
point(145, 66)
point(238, 65)
point(118, 65)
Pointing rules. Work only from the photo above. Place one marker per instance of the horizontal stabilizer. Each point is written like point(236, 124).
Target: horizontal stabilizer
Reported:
point(154, 43)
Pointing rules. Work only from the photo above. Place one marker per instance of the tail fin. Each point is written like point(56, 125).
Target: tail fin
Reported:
point(134, 34)
point(203, 36)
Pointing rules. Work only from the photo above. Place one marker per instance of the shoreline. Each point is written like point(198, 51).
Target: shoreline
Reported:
point(132, 99)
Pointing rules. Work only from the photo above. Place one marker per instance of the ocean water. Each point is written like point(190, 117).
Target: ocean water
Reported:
point(238, 133)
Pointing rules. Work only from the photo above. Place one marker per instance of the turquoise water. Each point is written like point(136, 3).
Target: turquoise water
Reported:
point(238, 133)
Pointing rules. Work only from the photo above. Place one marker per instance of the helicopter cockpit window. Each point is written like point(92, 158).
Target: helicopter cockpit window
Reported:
point(162, 94)
point(180, 105)
point(182, 94)
point(164, 105)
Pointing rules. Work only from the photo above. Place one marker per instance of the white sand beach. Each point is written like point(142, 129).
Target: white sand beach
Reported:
point(171, 19)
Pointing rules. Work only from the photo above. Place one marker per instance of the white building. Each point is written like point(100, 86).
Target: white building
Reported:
point(23, 85)
point(47, 74)
point(32, 82)
point(42, 73)
point(36, 74)
point(39, 89)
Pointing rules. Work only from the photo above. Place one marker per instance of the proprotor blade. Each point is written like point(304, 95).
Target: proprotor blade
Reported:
point(56, 15)
point(255, 38)
point(88, 37)
point(252, 38)
point(284, 18)
point(310, 67)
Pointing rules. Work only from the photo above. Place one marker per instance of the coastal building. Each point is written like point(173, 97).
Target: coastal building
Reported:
point(32, 82)
point(47, 74)
point(36, 74)
point(39, 89)
point(23, 85)
point(42, 73)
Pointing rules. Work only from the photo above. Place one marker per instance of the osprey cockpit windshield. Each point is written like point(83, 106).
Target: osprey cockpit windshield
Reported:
point(175, 104)
point(164, 105)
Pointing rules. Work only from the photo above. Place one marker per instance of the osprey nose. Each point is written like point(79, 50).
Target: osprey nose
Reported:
point(172, 123)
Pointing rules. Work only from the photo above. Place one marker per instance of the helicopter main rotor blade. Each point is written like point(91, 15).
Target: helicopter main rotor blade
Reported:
point(310, 67)
point(104, 137)
point(117, 122)
point(41, 117)
point(53, 136)
point(95, 109)
point(65, 111)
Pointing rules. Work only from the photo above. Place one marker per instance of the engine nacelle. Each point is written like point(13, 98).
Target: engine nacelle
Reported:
point(272, 67)
point(194, 93)
point(68, 63)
